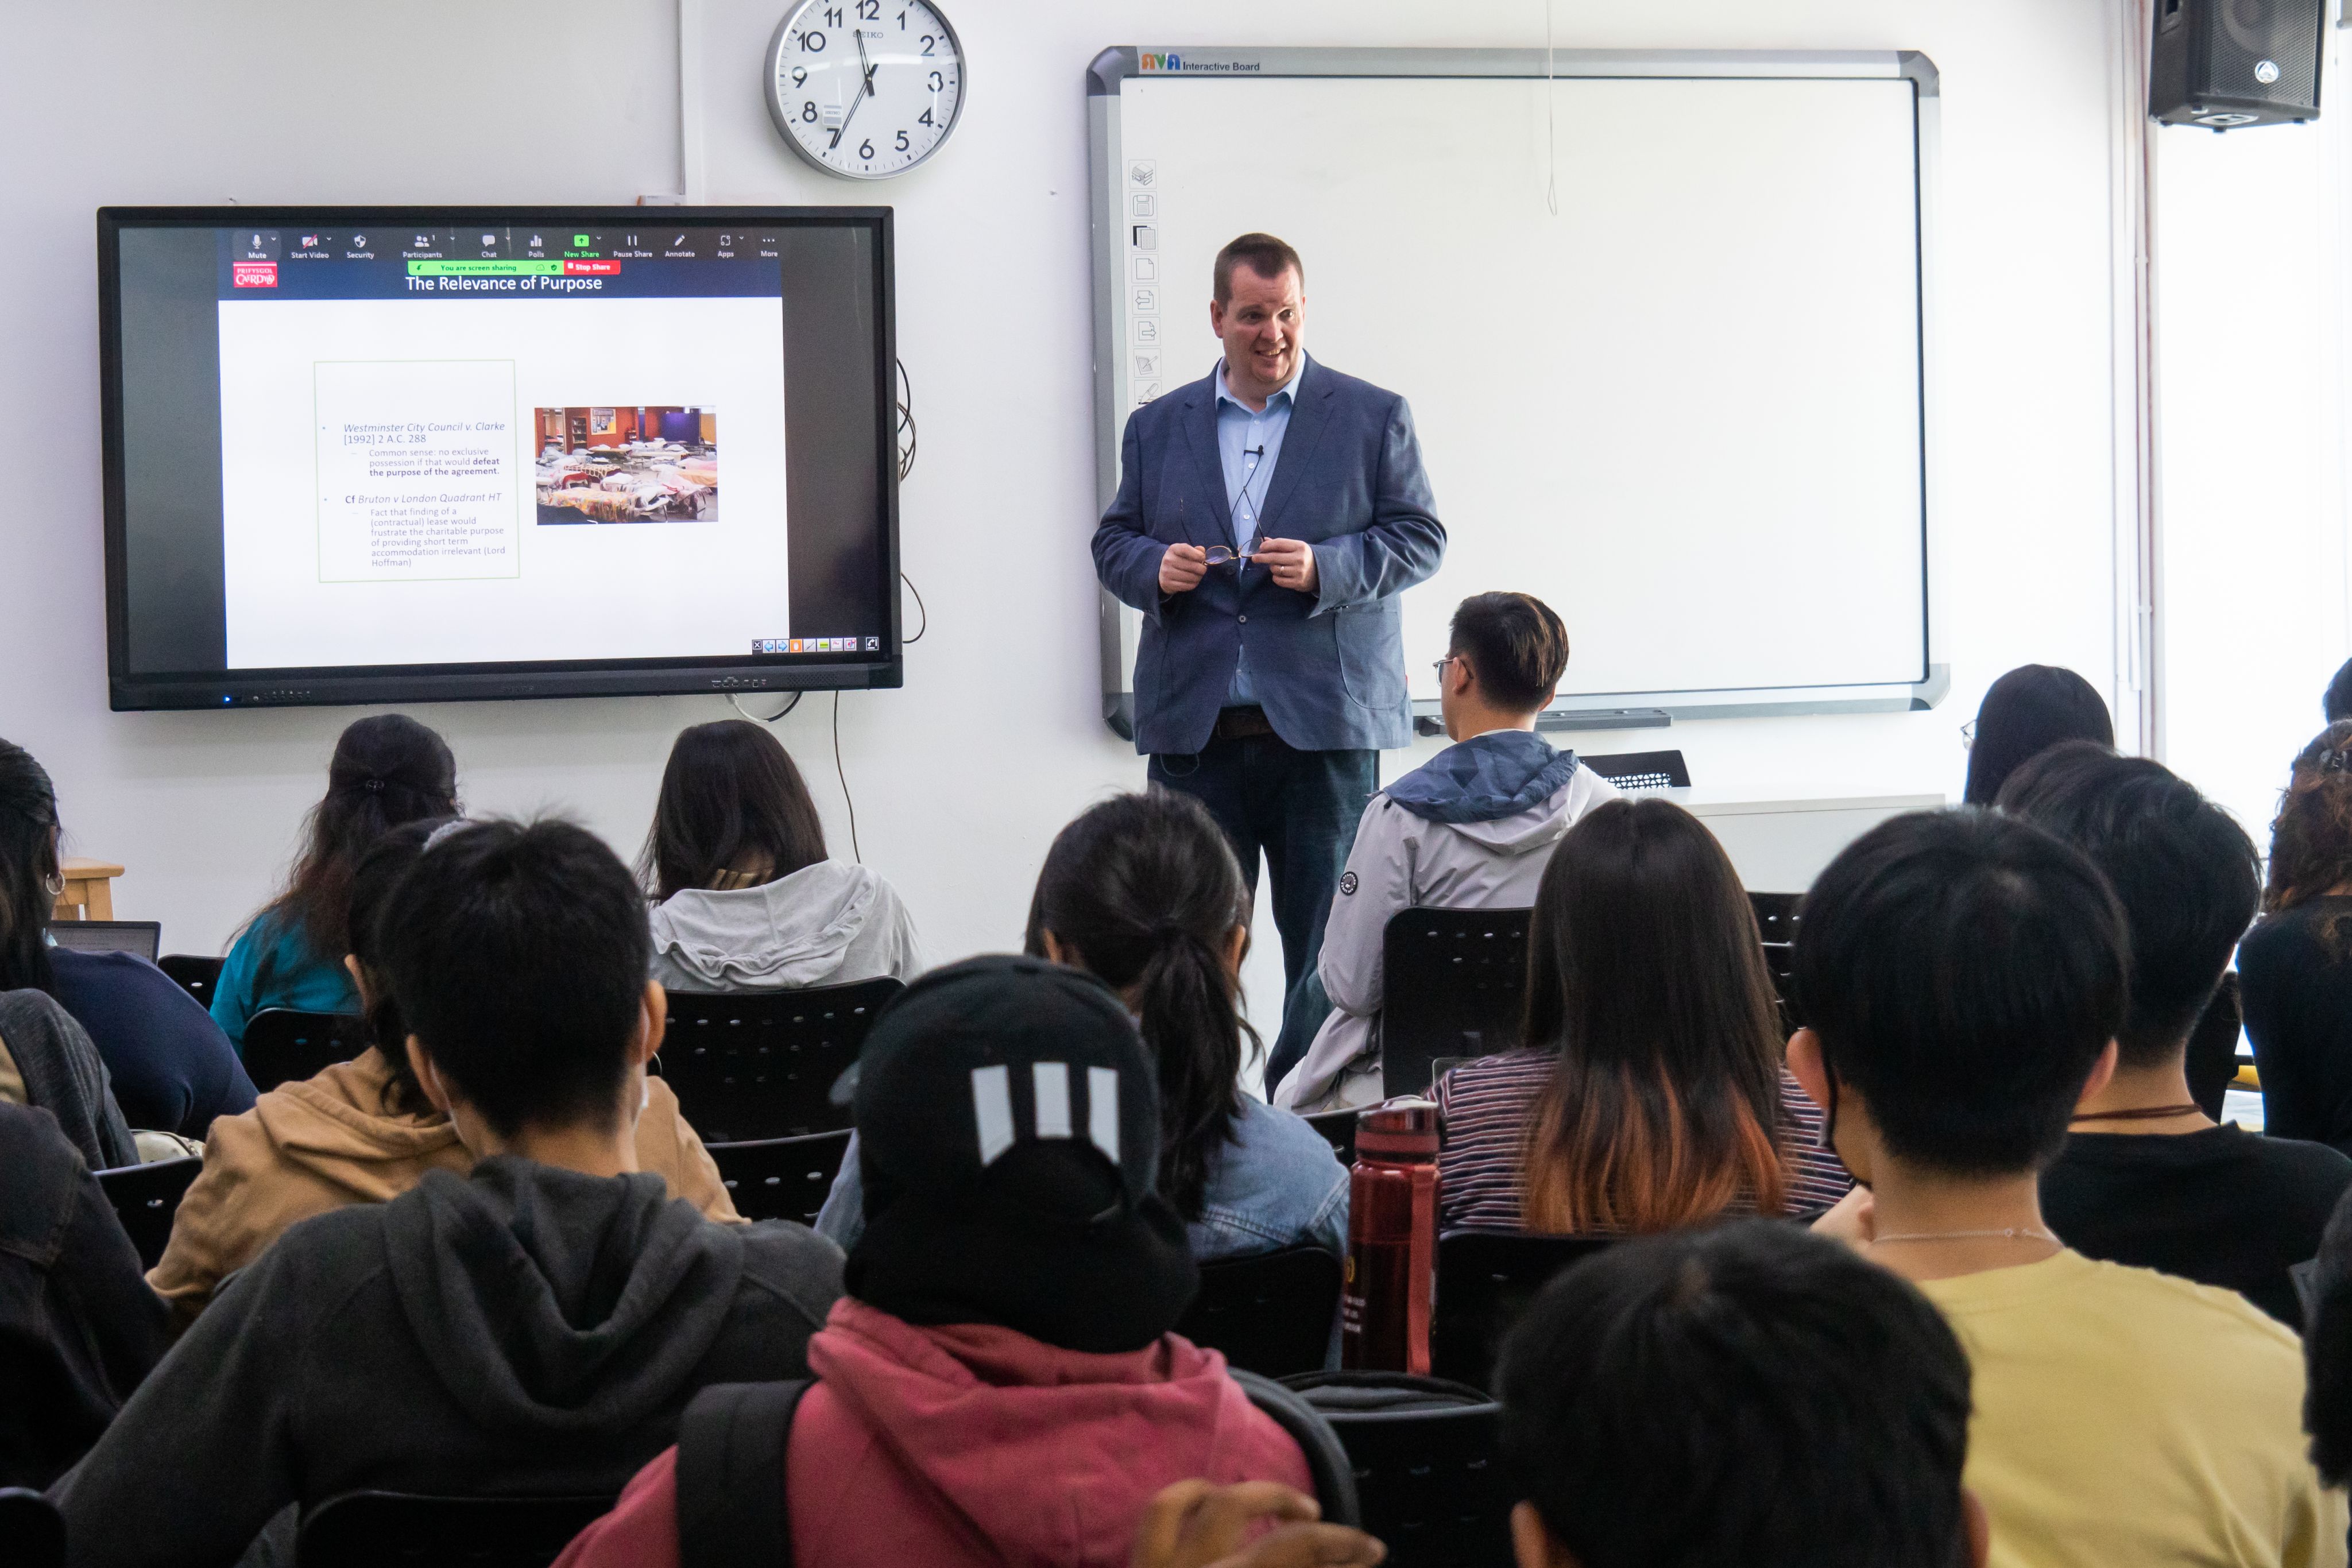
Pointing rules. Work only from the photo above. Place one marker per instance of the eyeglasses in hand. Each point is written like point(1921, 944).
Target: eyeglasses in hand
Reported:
point(1219, 555)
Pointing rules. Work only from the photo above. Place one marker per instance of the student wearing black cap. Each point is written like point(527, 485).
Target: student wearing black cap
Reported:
point(1000, 1385)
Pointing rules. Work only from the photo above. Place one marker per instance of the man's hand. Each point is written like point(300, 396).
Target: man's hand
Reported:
point(1182, 568)
point(1291, 561)
point(1853, 1220)
point(1197, 1524)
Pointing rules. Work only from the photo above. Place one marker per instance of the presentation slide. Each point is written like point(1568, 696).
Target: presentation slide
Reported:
point(510, 456)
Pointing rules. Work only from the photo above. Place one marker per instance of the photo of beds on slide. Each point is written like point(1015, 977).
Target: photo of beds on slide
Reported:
point(643, 465)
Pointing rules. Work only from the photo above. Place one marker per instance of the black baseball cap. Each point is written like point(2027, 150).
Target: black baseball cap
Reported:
point(1008, 1132)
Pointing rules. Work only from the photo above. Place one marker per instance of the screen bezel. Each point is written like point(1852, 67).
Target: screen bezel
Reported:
point(327, 685)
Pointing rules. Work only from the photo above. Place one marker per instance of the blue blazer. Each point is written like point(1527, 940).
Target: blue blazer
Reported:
point(1329, 667)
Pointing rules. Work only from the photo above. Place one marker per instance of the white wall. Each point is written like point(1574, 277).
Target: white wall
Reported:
point(962, 778)
point(2253, 273)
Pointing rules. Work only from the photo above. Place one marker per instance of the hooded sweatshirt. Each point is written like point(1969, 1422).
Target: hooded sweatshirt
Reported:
point(335, 1140)
point(1471, 828)
point(525, 1329)
point(825, 924)
point(975, 1445)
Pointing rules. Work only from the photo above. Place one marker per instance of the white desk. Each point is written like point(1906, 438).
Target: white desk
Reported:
point(1779, 841)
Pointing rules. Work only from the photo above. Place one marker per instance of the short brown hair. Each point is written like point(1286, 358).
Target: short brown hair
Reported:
point(1262, 253)
point(1516, 645)
point(2311, 839)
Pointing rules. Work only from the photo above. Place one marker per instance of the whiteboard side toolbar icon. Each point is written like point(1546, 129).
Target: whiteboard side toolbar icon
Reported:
point(1142, 171)
point(1146, 390)
point(1146, 300)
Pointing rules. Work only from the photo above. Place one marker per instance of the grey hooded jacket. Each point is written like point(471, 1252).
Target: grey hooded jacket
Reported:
point(64, 1076)
point(825, 924)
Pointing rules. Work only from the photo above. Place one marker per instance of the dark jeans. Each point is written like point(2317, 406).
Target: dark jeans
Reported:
point(1300, 807)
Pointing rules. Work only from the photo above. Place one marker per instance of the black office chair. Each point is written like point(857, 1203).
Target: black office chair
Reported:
point(34, 1533)
point(1329, 1463)
point(145, 1197)
point(781, 1178)
point(758, 1065)
point(1270, 1312)
point(1430, 1482)
point(1485, 1281)
point(1339, 1129)
point(1777, 915)
point(2213, 1049)
point(1637, 770)
point(197, 977)
point(1452, 981)
point(398, 1530)
point(283, 1045)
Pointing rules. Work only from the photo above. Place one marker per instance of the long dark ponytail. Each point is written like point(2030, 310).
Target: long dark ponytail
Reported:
point(1143, 892)
point(28, 864)
point(387, 769)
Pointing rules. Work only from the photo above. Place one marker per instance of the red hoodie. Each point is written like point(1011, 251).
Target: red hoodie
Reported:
point(976, 1444)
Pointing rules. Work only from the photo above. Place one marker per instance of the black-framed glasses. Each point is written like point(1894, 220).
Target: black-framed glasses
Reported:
point(1440, 666)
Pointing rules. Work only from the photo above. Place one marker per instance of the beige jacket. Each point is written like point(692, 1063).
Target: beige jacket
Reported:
point(309, 1147)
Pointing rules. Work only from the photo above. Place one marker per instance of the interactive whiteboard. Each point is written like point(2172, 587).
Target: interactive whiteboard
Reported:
point(1688, 408)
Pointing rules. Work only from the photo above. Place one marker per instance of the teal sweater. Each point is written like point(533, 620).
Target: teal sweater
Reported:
point(272, 967)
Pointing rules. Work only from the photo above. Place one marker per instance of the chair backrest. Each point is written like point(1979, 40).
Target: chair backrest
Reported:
point(1485, 1281)
point(284, 1045)
point(145, 1197)
point(1636, 770)
point(1427, 1473)
point(140, 936)
point(1453, 982)
point(2213, 1049)
point(781, 1178)
point(32, 1531)
point(1329, 1463)
point(396, 1529)
point(1339, 1129)
point(1777, 916)
point(760, 1064)
point(1271, 1312)
point(197, 977)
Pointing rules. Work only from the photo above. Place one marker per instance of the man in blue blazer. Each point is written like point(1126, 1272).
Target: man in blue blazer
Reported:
point(1268, 516)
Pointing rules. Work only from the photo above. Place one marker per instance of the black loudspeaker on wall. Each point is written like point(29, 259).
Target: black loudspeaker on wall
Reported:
point(2227, 63)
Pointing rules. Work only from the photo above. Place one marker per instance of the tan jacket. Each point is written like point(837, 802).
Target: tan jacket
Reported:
point(309, 1147)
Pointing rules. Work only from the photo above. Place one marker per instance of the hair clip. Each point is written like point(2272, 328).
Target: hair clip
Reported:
point(443, 831)
point(373, 786)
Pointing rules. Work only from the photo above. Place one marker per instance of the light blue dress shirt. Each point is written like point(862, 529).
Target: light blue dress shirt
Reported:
point(1249, 443)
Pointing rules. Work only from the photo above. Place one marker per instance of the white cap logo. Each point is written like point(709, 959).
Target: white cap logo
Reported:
point(2266, 72)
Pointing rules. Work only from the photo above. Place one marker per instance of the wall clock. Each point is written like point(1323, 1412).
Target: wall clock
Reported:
point(865, 88)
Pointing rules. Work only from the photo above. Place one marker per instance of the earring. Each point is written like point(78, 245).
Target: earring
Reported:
point(55, 883)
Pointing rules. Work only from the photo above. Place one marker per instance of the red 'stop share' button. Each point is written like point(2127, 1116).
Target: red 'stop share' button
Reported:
point(591, 268)
point(253, 274)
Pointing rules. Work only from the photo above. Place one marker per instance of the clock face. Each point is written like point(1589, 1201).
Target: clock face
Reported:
point(865, 88)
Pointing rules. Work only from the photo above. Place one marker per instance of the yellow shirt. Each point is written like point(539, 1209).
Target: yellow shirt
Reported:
point(2125, 1417)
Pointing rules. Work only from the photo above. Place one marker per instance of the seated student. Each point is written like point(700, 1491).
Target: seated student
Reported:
point(47, 1062)
point(2327, 1350)
point(1000, 1385)
point(1143, 892)
point(387, 769)
point(1471, 828)
point(2294, 969)
point(2025, 713)
point(78, 1327)
point(536, 1327)
point(2146, 1176)
point(1745, 1394)
point(363, 1131)
point(1962, 976)
point(745, 898)
point(172, 1068)
point(1650, 1093)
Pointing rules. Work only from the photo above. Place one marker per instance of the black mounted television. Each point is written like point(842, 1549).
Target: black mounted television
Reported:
point(369, 455)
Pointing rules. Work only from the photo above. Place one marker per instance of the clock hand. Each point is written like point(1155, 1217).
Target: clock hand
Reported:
point(865, 90)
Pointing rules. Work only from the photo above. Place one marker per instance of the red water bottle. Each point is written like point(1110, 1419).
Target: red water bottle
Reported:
point(1391, 1238)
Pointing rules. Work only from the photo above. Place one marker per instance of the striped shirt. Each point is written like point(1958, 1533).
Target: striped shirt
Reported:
point(1484, 1107)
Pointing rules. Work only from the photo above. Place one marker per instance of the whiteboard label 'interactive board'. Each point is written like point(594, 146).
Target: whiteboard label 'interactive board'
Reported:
point(1688, 411)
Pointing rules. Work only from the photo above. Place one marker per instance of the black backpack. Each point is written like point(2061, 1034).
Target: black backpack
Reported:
point(732, 1509)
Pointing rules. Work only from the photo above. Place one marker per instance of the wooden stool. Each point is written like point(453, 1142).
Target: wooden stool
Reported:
point(89, 890)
